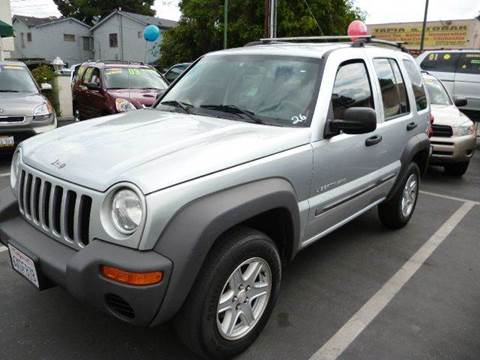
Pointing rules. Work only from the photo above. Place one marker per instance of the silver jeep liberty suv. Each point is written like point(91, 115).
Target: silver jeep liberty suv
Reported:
point(188, 211)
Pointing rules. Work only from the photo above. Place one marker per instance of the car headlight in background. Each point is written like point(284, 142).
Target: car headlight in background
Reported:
point(124, 105)
point(43, 112)
point(15, 168)
point(127, 211)
point(467, 128)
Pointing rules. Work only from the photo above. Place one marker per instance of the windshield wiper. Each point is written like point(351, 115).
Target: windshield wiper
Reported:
point(15, 91)
point(234, 109)
point(179, 104)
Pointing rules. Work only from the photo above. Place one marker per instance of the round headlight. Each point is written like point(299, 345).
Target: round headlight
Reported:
point(127, 211)
point(15, 168)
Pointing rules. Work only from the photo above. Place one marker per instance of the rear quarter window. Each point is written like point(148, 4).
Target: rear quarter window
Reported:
point(417, 84)
point(469, 63)
point(440, 61)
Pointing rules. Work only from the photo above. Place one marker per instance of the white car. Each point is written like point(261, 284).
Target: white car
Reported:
point(453, 140)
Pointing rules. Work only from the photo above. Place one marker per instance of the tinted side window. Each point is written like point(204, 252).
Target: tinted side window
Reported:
point(352, 88)
point(417, 84)
point(80, 72)
point(469, 63)
point(392, 87)
point(440, 61)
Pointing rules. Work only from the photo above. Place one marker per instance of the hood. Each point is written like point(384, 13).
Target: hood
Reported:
point(19, 103)
point(138, 97)
point(153, 149)
point(448, 115)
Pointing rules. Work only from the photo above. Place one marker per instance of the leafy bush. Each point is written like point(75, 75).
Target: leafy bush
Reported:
point(45, 74)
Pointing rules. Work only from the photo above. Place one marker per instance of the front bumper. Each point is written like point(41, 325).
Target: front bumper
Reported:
point(22, 132)
point(79, 271)
point(447, 150)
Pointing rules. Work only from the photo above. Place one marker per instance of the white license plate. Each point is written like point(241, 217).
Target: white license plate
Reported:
point(7, 141)
point(24, 265)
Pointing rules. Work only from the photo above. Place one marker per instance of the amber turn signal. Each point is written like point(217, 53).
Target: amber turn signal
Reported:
point(131, 278)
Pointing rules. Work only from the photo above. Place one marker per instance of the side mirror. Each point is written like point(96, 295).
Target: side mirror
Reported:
point(356, 120)
point(461, 102)
point(45, 87)
point(92, 86)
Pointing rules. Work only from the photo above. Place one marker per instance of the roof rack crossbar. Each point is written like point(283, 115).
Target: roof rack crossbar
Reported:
point(373, 40)
point(315, 38)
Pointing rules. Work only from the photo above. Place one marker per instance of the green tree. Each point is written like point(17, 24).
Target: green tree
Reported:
point(200, 28)
point(89, 11)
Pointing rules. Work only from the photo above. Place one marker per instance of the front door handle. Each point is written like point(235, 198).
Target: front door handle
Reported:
point(411, 126)
point(373, 140)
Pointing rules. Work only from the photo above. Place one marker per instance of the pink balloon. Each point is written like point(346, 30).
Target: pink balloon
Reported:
point(357, 28)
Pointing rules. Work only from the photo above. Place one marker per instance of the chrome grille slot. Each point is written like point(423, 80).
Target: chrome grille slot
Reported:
point(59, 210)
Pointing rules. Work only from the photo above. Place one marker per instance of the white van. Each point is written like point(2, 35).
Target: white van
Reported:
point(459, 70)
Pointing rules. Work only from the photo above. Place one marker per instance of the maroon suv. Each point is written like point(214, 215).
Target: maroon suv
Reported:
point(103, 88)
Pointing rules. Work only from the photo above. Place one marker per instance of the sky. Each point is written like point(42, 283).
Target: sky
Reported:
point(378, 11)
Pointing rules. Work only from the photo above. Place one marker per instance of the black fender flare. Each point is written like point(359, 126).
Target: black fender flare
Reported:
point(414, 146)
point(192, 232)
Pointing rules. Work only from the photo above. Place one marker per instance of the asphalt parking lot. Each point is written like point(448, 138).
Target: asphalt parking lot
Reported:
point(363, 292)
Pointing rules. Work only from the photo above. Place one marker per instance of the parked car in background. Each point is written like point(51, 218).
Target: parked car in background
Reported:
point(454, 135)
point(191, 210)
point(459, 70)
point(24, 111)
point(103, 88)
point(172, 73)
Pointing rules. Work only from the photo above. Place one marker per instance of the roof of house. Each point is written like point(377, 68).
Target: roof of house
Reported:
point(143, 19)
point(34, 21)
point(31, 21)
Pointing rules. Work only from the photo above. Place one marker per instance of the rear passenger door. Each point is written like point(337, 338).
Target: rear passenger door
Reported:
point(467, 80)
point(397, 123)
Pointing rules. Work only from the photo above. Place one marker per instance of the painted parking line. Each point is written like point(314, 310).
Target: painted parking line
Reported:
point(448, 197)
point(337, 344)
point(4, 175)
point(3, 248)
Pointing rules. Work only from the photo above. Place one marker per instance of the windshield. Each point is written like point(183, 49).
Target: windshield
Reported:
point(274, 90)
point(16, 78)
point(438, 94)
point(133, 78)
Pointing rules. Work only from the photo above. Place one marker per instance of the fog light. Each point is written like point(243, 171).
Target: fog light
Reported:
point(131, 278)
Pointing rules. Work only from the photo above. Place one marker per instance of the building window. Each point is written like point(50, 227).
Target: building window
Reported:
point(29, 37)
point(69, 37)
point(139, 34)
point(87, 43)
point(22, 39)
point(113, 39)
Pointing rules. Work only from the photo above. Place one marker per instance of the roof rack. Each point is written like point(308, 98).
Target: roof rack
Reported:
point(120, 62)
point(372, 40)
point(357, 40)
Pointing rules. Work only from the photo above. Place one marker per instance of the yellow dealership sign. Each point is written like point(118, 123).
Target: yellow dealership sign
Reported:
point(448, 34)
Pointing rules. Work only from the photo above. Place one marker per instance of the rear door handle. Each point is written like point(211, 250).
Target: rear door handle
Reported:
point(373, 140)
point(411, 126)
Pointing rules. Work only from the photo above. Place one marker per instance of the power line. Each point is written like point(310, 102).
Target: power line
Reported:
point(314, 18)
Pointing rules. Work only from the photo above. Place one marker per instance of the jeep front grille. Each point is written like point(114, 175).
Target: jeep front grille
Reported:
point(52, 207)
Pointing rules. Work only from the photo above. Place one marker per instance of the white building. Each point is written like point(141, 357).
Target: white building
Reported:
point(119, 36)
point(6, 44)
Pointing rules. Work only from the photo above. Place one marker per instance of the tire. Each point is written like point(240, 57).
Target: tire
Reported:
point(196, 324)
point(457, 169)
point(394, 213)
point(76, 113)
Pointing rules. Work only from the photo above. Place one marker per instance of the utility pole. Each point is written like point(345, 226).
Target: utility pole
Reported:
point(273, 19)
point(266, 31)
point(424, 28)
point(225, 25)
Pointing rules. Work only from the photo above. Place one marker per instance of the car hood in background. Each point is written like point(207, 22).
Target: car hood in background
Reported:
point(448, 115)
point(19, 103)
point(153, 149)
point(138, 97)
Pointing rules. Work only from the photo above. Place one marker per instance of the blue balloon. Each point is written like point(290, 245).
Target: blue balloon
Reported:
point(151, 33)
